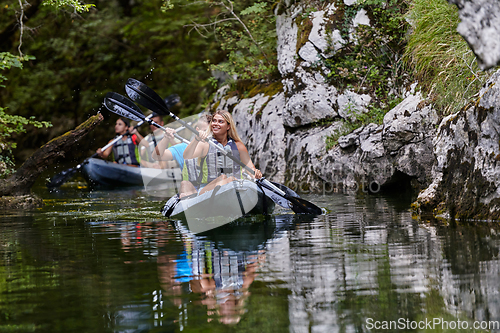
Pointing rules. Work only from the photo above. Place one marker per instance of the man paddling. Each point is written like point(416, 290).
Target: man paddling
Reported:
point(124, 150)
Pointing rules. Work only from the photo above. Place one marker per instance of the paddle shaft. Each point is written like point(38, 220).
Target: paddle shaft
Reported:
point(156, 103)
point(177, 136)
point(126, 111)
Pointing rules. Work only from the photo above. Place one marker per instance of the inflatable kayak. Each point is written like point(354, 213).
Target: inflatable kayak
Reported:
point(219, 206)
point(100, 173)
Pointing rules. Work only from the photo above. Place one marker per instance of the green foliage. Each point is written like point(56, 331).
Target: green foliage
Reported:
point(246, 32)
point(12, 124)
point(375, 115)
point(9, 125)
point(440, 58)
point(8, 60)
point(371, 62)
point(76, 4)
point(79, 58)
point(373, 59)
point(166, 5)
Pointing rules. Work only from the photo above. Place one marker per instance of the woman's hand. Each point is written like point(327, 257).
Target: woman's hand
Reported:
point(202, 135)
point(256, 174)
point(169, 134)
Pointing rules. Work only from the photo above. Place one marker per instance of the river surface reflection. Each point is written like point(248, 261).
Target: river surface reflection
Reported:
point(107, 261)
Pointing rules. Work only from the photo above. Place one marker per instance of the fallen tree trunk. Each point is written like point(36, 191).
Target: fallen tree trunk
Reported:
point(20, 183)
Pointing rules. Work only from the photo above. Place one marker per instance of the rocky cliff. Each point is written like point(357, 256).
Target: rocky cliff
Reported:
point(287, 131)
point(466, 175)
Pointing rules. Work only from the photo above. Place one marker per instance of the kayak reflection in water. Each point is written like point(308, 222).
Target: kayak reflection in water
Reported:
point(124, 150)
point(221, 277)
point(220, 169)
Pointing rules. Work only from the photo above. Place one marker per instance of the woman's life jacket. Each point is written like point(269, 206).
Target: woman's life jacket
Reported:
point(218, 164)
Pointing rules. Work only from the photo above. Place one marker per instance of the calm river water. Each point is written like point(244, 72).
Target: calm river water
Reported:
point(106, 261)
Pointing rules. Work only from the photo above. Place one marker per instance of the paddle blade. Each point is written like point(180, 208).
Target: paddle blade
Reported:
point(293, 201)
point(122, 106)
point(301, 206)
point(145, 96)
point(278, 199)
point(61, 178)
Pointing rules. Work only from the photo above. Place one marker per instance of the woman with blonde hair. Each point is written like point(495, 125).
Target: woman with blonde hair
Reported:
point(221, 170)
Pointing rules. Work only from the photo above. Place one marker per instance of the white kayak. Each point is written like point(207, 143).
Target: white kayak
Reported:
point(219, 206)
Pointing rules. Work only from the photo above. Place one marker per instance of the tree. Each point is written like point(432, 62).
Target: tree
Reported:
point(15, 124)
point(79, 58)
point(246, 31)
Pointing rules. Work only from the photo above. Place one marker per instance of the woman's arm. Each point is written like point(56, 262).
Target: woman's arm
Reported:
point(198, 147)
point(245, 159)
point(104, 154)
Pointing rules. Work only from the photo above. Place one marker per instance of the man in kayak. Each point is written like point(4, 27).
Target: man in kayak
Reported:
point(194, 172)
point(221, 170)
point(148, 145)
point(124, 150)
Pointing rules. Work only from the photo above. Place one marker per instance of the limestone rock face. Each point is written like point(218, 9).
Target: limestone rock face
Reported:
point(264, 133)
point(286, 133)
point(370, 157)
point(308, 96)
point(367, 159)
point(467, 173)
point(480, 26)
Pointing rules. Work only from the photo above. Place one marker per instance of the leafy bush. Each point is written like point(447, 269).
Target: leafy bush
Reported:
point(76, 4)
point(246, 32)
point(372, 61)
point(440, 58)
point(11, 124)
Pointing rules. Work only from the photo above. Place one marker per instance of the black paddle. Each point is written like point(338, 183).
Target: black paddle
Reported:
point(65, 175)
point(123, 106)
point(147, 97)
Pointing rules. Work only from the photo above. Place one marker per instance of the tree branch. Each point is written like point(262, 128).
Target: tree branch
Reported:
point(10, 30)
point(22, 180)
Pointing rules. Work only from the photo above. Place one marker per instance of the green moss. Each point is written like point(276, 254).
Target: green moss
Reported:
point(304, 29)
point(268, 89)
point(215, 106)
